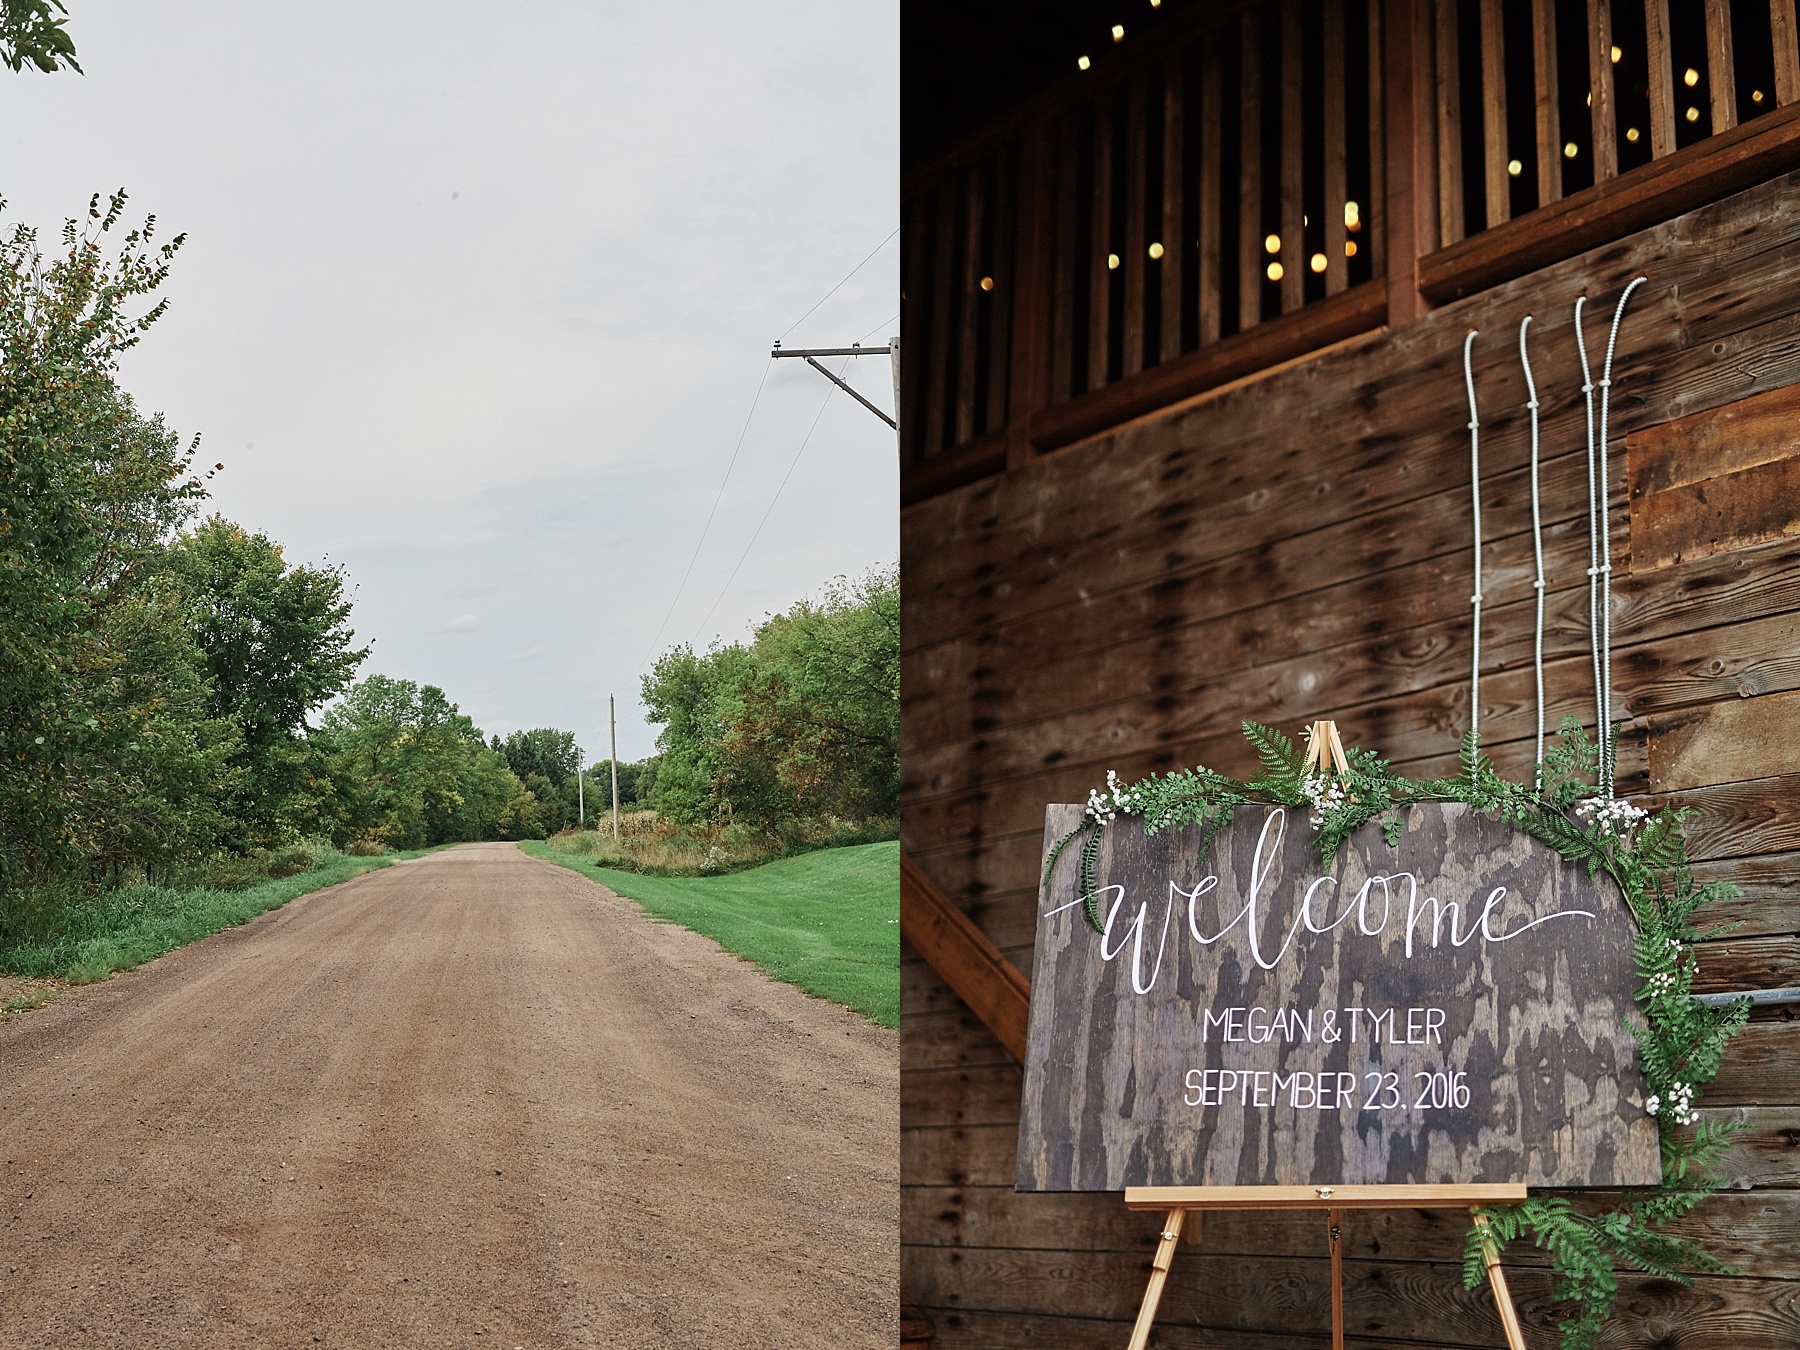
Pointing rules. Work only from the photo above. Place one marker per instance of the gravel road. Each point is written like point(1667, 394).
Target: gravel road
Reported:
point(472, 1100)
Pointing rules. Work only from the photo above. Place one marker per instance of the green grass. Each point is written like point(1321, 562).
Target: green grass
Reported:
point(828, 921)
point(87, 938)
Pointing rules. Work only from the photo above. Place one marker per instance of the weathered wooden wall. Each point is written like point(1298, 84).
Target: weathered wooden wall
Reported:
point(1298, 547)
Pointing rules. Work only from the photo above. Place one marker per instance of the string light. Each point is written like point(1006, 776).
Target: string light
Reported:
point(1349, 248)
point(1616, 54)
point(1274, 271)
point(987, 283)
point(1514, 168)
point(1112, 262)
point(1082, 63)
point(1319, 262)
point(1631, 133)
point(1156, 249)
point(1571, 150)
point(1693, 114)
point(1756, 96)
point(1118, 32)
point(1352, 216)
point(1690, 77)
point(1272, 244)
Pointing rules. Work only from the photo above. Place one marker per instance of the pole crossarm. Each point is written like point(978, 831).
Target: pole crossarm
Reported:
point(780, 351)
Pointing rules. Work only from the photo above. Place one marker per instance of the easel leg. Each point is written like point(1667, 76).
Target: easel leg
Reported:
point(1334, 1219)
point(1509, 1315)
point(1159, 1274)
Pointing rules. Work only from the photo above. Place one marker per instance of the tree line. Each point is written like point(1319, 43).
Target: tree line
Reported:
point(173, 689)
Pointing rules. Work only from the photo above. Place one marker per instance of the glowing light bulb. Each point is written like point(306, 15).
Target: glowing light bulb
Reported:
point(1690, 77)
point(1616, 54)
point(1693, 114)
point(1631, 133)
point(1272, 244)
point(1156, 249)
point(1319, 262)
point(1352, 215)
point(1112, 262)
point(1514, 168)
point(1118, 32)
point(1274, 271)
point(987, 283)
point(1571, 150)
point(1082, 63)
point(1349, 248)
point(1756, 96)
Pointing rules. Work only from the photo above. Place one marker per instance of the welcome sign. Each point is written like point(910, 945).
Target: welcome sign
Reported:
point(1456, 1009)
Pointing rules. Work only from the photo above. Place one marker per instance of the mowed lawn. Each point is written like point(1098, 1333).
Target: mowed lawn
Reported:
point(828, 921)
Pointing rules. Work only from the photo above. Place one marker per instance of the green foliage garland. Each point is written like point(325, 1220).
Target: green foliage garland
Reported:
point(1646, 855)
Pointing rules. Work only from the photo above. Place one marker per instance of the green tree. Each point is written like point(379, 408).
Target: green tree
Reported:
point(32, 34)
point(276, 645)
point(397, 752)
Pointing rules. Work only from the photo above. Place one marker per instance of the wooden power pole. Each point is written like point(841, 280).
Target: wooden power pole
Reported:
point(612, 719)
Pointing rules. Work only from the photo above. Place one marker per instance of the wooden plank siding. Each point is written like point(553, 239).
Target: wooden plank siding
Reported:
point(1295, 546)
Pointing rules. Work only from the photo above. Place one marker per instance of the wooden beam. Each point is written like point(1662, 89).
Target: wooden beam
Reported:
point(981, 458)
point(969, 286)
point(1068, 258)
point(1132, 246)
point(1337, 266)
point(1250, 223)
point(1721, 67)
point(1375, 209)
point(1600, 91)
point(1662, 78)
point(1100, 245)
point(1211, 207)
point(1409, 211)
point(1357, 310)
point(943, 292)
point(1787, 54)
point(1749, 154)
point(1548, 111)
point(996, 990)
point(1174, 246)
point(1495, 152)
point(1293, 205)
point(1449, 124)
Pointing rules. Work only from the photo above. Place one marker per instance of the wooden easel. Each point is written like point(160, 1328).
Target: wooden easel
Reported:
point(1177, 1201)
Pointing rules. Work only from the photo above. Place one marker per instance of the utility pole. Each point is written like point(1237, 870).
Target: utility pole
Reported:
point(612, 718)
point(892, 351)
point(580, 794)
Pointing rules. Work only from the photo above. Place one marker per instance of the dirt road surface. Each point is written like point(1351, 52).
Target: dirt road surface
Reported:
point(472, 1100)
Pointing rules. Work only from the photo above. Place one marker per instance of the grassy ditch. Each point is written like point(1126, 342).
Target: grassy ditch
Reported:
point(657, 847)
point(827, 921)
point(86, 937)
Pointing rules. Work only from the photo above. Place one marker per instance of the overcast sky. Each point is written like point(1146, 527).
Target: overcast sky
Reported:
point(475, 300)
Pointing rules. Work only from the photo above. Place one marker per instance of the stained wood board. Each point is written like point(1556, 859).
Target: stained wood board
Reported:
point(1454, 1010)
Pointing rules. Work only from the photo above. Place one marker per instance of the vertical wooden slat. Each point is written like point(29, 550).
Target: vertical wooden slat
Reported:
point(1449, 124)
point(1549, 117)
point(914, 292)
point(1662, 78)
point(943, 292)
point(1493, 115)
point(1337, 266)
point(1132, 246)
point(1009, 190)
point(1721, 69)
point(1068, 208)
point(1174, 249)
point(1787, 52)
point(1600, 90)
point(1250, 230)
point(1031, 268)
point(1411, 153)
point(971, 297)
point(1100, 245)
point(1211, 206)
point(1374, 213)
point(1293, 205)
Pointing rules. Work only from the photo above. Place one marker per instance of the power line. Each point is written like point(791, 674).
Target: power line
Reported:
point(876, 329)
point(718, 497)
point(834, 290)
point(766, 514)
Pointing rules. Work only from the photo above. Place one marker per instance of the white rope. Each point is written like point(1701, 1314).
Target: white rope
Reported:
point(1609, 746)
point(1475, 495)
point(1593, 571)
point(1537, 547)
